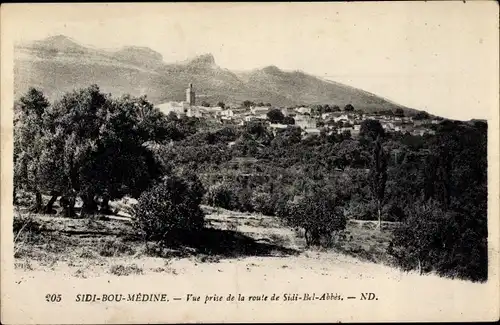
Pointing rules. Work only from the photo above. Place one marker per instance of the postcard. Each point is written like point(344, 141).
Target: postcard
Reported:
point(249, 162)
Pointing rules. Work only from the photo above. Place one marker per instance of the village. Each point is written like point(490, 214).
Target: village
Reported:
point(312, 119)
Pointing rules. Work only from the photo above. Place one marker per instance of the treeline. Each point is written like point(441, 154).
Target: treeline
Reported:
point(88, 145)
point(98, 148)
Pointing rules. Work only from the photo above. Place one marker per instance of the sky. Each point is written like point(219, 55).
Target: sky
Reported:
point(441, 57)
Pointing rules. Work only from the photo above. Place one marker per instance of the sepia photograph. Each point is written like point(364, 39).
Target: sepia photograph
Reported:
point(249, 162)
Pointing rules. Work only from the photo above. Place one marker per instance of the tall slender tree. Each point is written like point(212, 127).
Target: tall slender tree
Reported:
point(378, 177)
point(28, 148)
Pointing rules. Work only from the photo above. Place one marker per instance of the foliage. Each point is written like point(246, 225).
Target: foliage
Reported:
point(98, 148)
point(248, 104)
point(348, 108)
point(275, 116)
point(318, 213)
point(445, 229)
point(220, 195)
point(288, 120)
point(399, 112)
point(421, 116)
point(371, 130)
point(29, 129)
point(91, 144)
point(171, 205)
point(451, 243)
point(378, 176)
point(264, 203)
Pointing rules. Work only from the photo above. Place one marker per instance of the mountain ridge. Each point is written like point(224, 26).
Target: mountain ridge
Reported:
point(58, 64)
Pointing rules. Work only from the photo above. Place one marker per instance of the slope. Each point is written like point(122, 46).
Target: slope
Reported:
point(58, 64)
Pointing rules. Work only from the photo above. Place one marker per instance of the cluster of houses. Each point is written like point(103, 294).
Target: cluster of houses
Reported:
point(309, 122)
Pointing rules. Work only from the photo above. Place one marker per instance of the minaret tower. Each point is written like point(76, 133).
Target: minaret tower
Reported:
point(190, 95)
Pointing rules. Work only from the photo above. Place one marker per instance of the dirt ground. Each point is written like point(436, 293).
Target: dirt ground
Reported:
point(238, 253)
point(253, 243)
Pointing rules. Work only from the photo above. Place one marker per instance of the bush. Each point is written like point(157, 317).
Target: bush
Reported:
point(360, 209)
point(244, 196)
point(394, 213)
point(318, 213)
point(171, 205)
point(448, 242)
point(263, 203)
point(220, 195)
point(275, 116)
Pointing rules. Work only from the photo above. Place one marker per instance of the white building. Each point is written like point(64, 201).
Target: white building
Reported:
point(305, 122)
point(343, 118)
point(227, 113)
point(176, 107)
point(303, 110)
point(181, 108)
point(278, 126)
point(258, 110)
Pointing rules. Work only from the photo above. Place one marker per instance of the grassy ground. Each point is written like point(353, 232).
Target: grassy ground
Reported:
point(89, 247)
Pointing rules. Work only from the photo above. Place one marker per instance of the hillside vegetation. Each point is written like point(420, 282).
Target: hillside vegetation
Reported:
point(424, 198)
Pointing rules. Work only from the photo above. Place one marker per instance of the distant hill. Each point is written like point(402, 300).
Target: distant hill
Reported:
point(59, 64)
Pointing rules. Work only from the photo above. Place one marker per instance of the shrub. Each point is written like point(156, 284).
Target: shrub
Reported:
point(244, 197)
point(449, 242)
point(318, 213)
point(263, 203)
point(26, 228)
point(220, 195)
point(171, 205)
point(125, 270)
point(275, 116)
point(360, 209)
point(395, 213)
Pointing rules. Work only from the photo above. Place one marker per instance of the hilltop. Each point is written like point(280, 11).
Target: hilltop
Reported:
point(59, 64)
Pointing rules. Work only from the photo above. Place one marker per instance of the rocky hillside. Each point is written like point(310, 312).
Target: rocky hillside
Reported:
point(58, 64)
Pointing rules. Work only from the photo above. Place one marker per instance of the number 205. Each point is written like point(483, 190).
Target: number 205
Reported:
point(53, 297)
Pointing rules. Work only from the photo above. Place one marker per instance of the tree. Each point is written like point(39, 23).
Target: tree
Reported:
point(221, 105)
point(421, 116)
point(445, 228)
point(263, 202)
point(29, 129)
point(378, 177)
point(371, 130)
point(329, 109)
point(205, 104)
point(285, 138)
point(275, 116)
point(288, 120)
point(248, 104)
point(350, 153)
point(97, 147)
point(348, 108)
point(172, 117)
point(335, 108)
point(399, 112)
point(220, 195)
point(318, 109)
point(318, 213)
point(452, 243)
point(173, 205)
